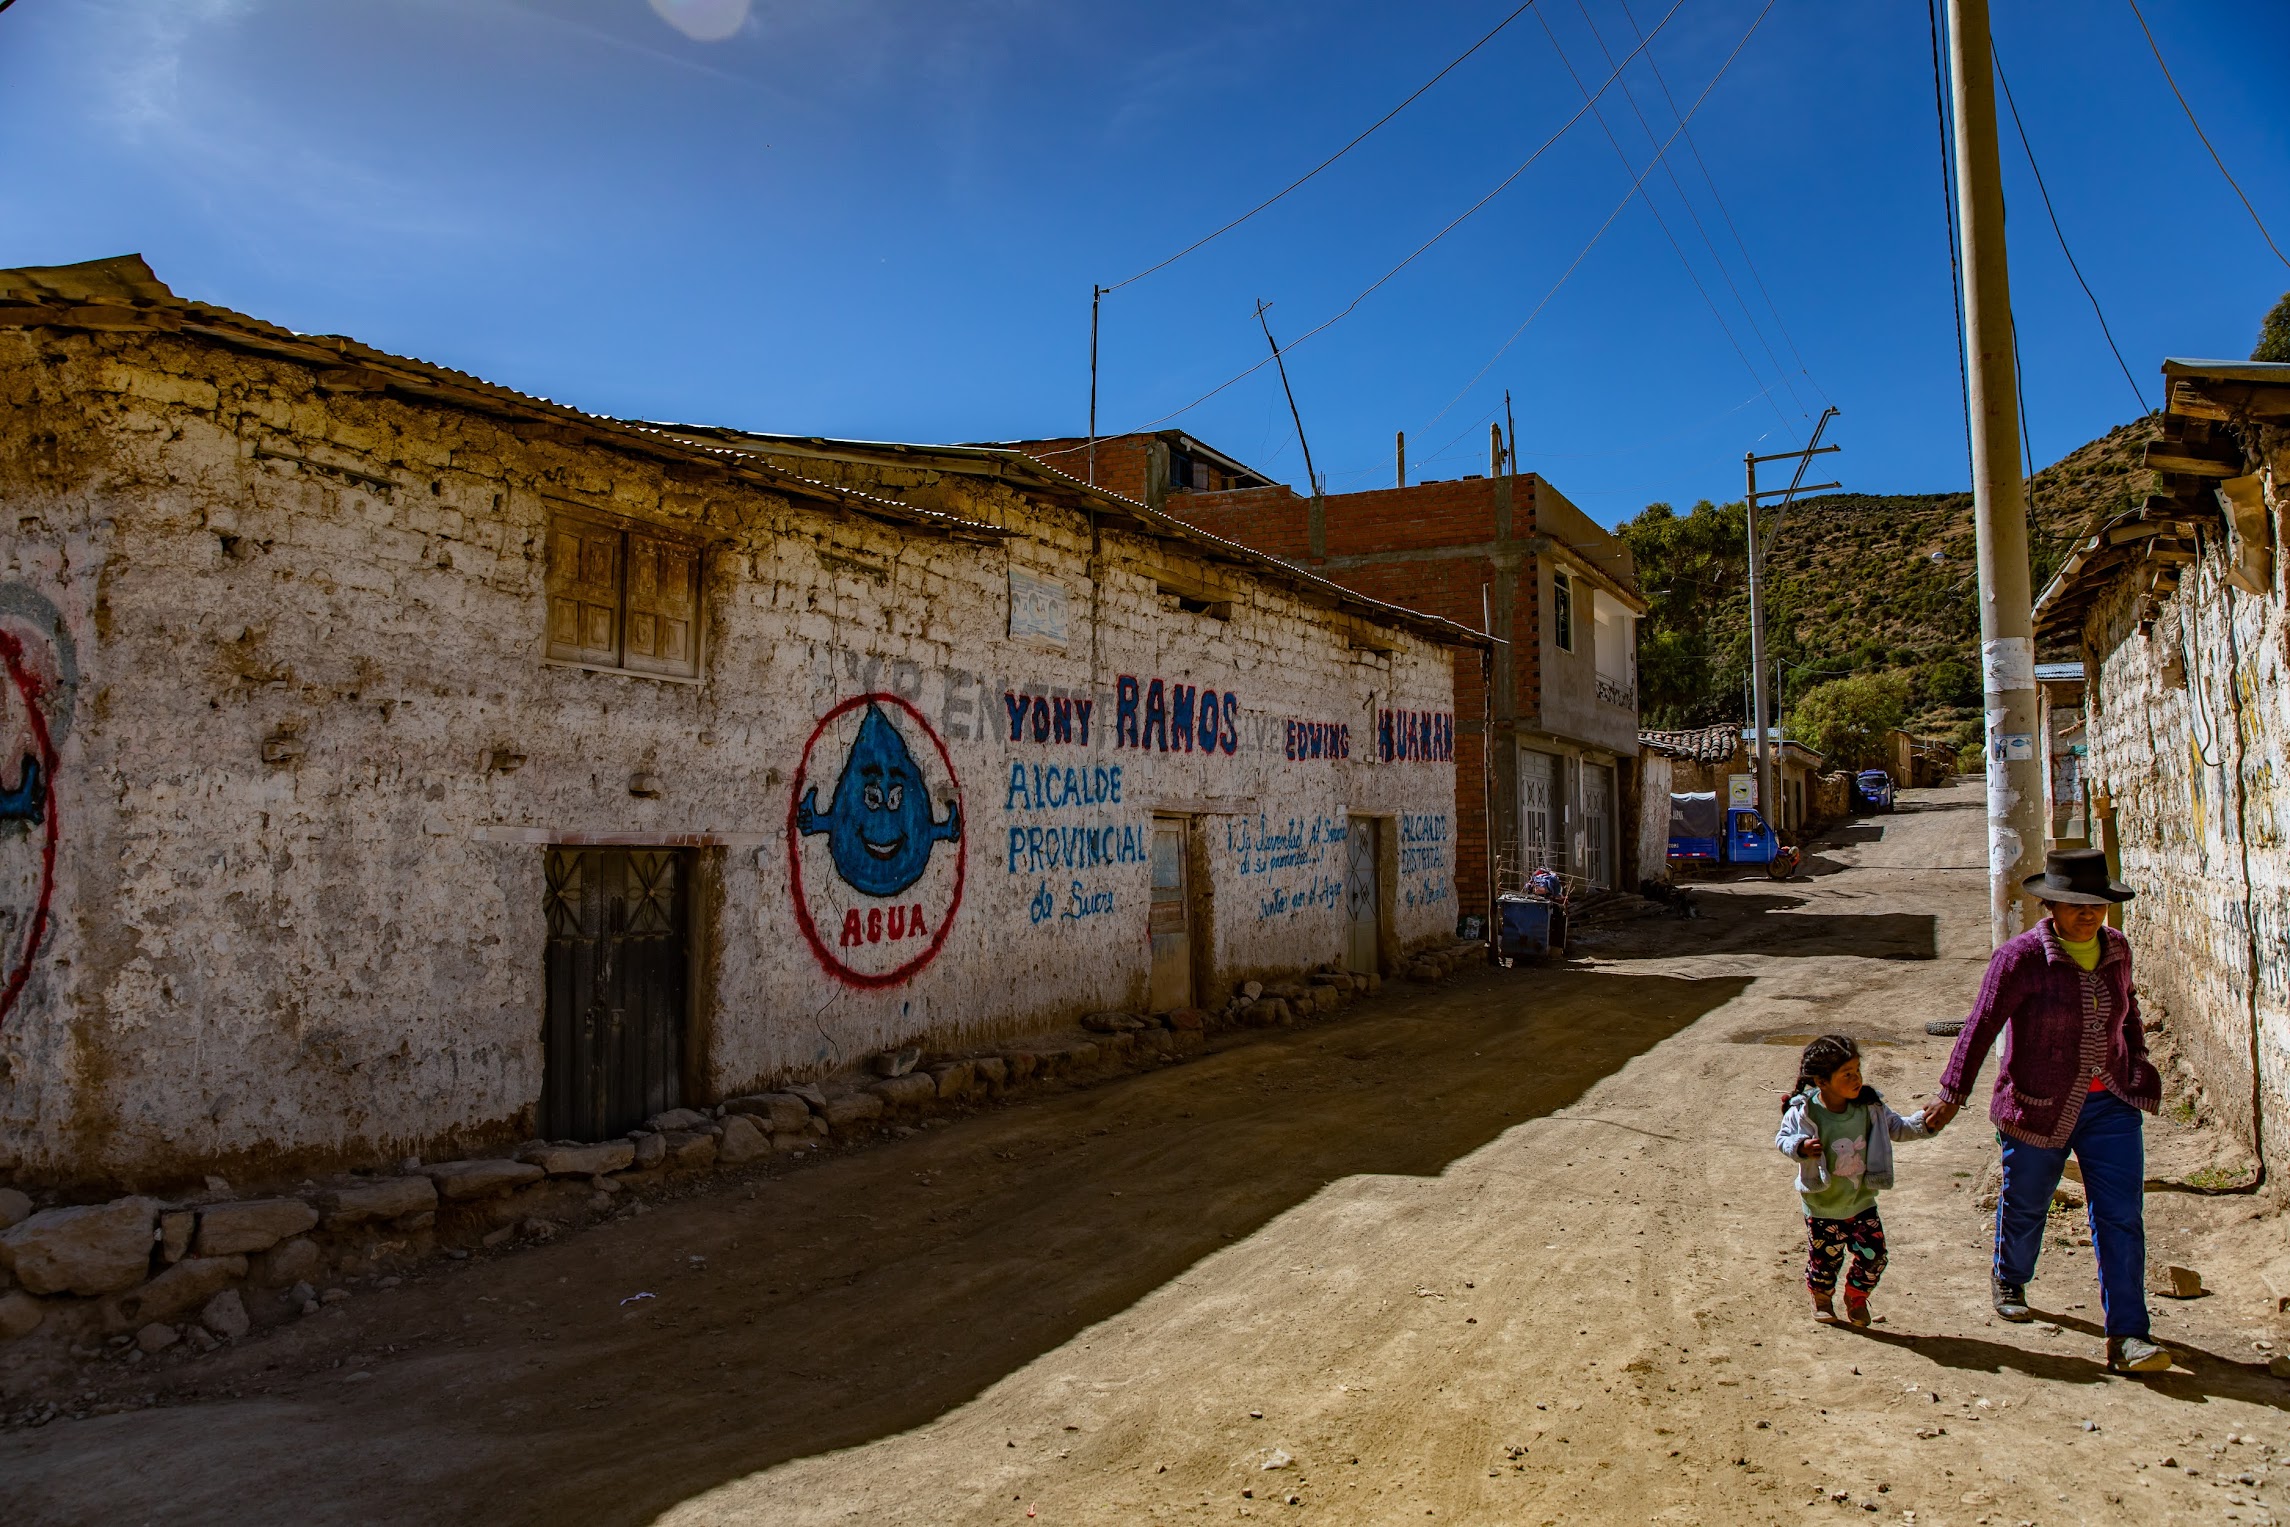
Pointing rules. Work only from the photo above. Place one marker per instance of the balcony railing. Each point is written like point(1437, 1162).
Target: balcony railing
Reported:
point(1622, 695)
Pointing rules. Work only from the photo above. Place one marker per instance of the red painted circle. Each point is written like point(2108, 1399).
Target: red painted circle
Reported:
point(826, 957)
point(28, 687)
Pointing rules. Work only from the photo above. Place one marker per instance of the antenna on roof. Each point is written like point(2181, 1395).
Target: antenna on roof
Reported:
point(1311, 478)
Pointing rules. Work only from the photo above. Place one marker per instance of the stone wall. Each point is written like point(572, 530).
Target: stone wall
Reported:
point(276, 643)
point(2187, 729)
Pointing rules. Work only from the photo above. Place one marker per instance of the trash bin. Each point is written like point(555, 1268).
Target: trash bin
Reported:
point(1528, 926)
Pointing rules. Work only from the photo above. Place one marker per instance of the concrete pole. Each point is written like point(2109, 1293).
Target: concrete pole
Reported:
point(1760, 705)
point(2007, 639)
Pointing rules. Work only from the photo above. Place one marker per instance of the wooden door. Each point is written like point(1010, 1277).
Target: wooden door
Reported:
point(613, 1043)
point(1170, 920)
point(1363, 907)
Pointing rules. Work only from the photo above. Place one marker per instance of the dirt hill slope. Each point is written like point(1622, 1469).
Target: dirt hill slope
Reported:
point(1859, 583)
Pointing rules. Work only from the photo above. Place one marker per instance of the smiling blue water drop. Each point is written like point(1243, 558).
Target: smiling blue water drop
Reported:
point(878, 825)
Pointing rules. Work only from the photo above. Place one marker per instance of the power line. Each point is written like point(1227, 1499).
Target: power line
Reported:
point(1948, 213)
point(1670, 170)
point(1726, 212)
point(1504, 348)
point(1423, 248)
point(1316, 169)
point(2062, 237)
point(2198, 127)
point(1659, 221)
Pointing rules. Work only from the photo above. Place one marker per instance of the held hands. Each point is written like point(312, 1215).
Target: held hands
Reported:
point(1809, 1148)
point(1937, 1115)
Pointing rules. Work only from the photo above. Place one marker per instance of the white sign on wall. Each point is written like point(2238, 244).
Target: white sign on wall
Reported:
point(1037, 609)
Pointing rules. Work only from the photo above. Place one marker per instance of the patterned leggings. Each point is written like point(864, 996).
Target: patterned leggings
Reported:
point(1826, 1241)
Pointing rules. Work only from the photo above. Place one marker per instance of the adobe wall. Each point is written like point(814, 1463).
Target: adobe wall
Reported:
point(2187, 730)
point(279, 901)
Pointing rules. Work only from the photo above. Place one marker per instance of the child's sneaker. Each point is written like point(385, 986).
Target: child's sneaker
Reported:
point(1824, 1309)
point(1856, 1307)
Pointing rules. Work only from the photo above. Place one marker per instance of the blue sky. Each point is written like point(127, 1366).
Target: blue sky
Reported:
point(882, 218)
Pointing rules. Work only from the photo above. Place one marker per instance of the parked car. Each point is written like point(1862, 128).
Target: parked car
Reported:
point(1872, 790)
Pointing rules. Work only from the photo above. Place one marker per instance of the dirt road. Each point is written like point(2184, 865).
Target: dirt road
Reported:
point(1515, 1250)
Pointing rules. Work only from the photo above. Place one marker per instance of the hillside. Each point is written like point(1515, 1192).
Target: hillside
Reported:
point(1858, 583)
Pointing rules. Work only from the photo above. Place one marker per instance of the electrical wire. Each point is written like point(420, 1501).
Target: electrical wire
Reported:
point(1639, 186)
point(1425, 247)
point(1594, 238)
point(1726, 212)
point(2062, 237)
point(1670, 170)
point(1316, 169)
point(1948, 213)
point(2198, 127)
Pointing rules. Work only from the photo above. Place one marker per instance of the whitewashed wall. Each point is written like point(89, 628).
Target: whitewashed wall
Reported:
point(336, 955)
point(2187, 728)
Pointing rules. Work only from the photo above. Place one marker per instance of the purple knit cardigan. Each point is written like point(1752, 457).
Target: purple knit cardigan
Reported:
point(2036, 990)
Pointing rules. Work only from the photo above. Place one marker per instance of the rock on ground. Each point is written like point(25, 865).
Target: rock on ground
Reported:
point(187, 1285)
point(741, 1141)
point(92, 1249)
point(256, 1224)
point(582, 1160)
point(225, 1315)
point(460, 1181)
point(384, 1198)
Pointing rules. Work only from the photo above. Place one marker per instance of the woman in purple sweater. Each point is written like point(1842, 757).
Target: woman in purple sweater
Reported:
point(2075, 1077)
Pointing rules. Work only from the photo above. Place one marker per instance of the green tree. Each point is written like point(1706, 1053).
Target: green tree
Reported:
point(1693, 573)
point(1845, 719)
point(2274, 334)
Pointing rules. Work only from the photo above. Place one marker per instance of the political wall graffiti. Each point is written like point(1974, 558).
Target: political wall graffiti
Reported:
point(38, 678)
point(876, 869)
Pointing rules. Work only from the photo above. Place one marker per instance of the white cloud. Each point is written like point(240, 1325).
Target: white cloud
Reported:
point(703, 20)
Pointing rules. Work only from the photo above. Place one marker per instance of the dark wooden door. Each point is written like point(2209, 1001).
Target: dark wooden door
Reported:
point(613, 1048)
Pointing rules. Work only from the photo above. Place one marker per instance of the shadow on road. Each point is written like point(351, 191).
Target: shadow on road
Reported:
point(2206, 1375)
point(861, 1297)
point(1768, 922)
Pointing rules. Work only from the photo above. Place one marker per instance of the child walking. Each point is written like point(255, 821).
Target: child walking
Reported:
point(1840, 1133)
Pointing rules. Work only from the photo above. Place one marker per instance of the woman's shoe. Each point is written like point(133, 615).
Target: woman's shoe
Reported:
point(2011, 1299)
point(2136, 1354)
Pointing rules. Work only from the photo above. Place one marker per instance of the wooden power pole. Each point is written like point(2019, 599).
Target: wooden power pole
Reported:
point(1999, 502)
point(1761, 542)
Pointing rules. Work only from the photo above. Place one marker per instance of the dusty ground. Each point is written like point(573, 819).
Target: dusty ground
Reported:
point(1517, 1250)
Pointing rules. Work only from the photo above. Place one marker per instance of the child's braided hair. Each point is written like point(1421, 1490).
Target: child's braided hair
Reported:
point(1820, 1061)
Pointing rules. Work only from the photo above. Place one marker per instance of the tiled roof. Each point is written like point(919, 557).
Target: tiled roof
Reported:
point(1707, 744)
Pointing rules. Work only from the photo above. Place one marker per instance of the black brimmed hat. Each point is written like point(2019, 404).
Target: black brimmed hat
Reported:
point(2077, 876)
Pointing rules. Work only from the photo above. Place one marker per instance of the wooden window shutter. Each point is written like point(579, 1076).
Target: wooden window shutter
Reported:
point(584, 592)
point(663, 606)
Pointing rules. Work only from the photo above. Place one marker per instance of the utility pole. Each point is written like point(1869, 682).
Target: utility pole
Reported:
point(1760, 708)
point(1999, 503)
point(1511, 428)
point(1095, 292)
point(1494, 450)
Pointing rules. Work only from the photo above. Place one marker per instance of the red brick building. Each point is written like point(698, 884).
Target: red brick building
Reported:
point(1558, 592)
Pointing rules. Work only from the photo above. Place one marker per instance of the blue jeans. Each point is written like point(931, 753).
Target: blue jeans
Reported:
point(2111, 1148)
